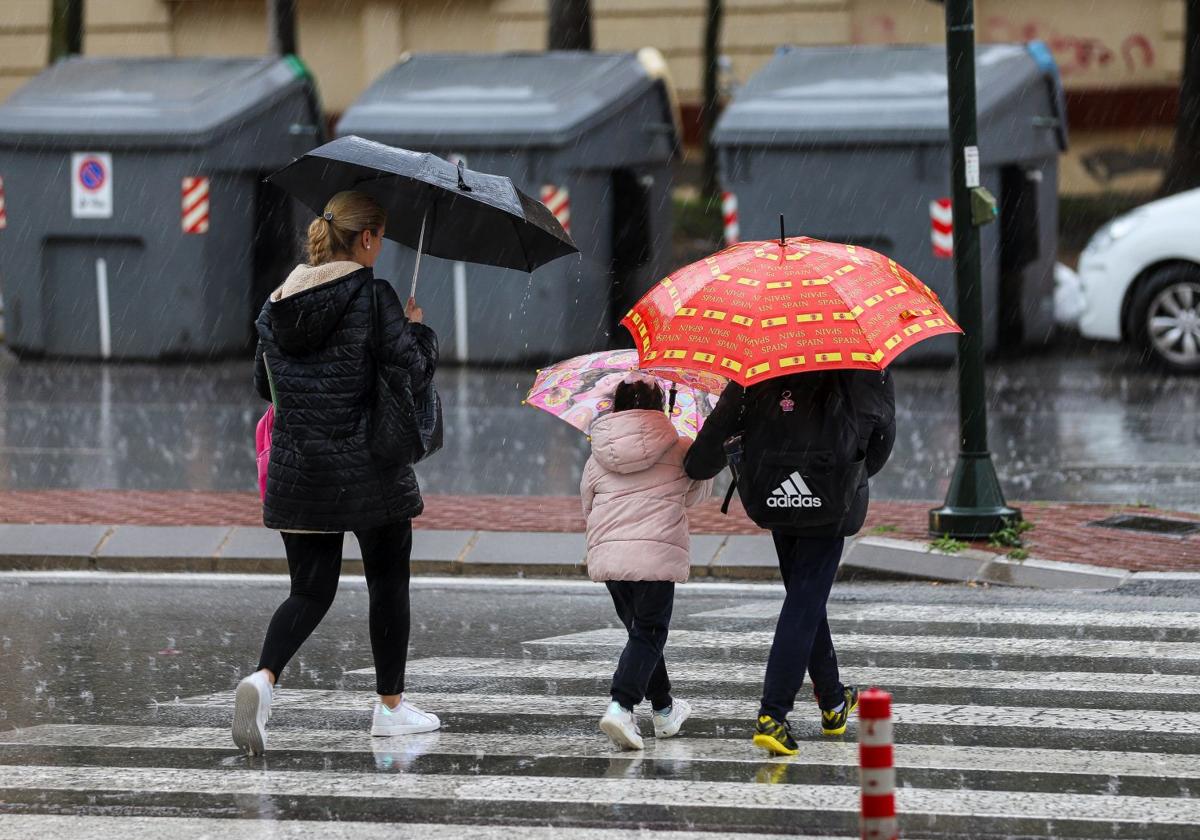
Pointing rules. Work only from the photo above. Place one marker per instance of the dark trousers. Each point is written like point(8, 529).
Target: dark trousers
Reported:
point(802, 640)
point(315, 563)
point(644, 607)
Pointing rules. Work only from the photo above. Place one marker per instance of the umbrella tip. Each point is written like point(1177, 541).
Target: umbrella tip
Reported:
point(781, 236)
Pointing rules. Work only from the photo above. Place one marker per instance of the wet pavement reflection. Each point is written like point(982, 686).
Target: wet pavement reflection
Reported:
point(1084, 423)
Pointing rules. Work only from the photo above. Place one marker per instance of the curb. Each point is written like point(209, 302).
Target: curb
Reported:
point(238, 550)
point(917, 561)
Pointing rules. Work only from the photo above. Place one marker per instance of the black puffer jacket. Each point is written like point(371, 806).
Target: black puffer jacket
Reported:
point(322, 475)
point(872, 396)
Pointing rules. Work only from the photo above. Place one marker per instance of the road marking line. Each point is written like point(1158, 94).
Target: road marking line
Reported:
point(731, 796)
point(706, 640)
point(752, 674)
point(522, 705)
point(733, 750)
point(973, 614)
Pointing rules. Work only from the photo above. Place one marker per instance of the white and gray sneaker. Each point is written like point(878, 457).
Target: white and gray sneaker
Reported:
point(668, 721)
point(251, 711)
point(405, 719)
point(621, 727)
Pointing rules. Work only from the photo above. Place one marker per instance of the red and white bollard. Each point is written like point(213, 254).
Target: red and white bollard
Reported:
point(941, 228)
point(876, 768)
point(729, 215)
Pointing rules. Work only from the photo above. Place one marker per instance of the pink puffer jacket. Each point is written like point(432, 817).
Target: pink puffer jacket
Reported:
point(634, 493)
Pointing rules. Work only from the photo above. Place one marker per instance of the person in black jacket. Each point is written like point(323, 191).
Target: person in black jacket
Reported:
point(318, 336)
point(808, 556)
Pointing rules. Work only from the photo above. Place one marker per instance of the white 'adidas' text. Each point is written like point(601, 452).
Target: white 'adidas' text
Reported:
point(793, 493)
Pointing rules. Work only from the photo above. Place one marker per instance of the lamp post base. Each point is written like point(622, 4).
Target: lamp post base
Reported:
point(975, 506)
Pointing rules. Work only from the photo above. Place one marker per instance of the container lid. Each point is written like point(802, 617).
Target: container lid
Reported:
point(871, 94)
point(509, 100)
point(154, 98)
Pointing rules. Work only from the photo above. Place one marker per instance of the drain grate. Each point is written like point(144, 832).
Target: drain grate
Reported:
point(1150, 525)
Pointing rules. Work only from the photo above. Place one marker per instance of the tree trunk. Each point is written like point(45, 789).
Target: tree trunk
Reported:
point(1183, 172)
point(711, 105)
point(66, 29)
point(281, 26)
point(570, 25)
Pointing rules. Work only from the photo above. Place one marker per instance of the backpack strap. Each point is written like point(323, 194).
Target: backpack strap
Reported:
point(729, 494)
point(271, 383)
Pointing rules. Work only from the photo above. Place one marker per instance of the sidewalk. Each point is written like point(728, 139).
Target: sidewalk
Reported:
point(542, 535)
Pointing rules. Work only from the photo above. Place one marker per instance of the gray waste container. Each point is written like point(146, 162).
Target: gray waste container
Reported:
point(591, 134)
point(138, 226)
point(851, 144)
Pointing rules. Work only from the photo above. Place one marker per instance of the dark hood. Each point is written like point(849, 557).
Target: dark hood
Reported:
point(302, 323)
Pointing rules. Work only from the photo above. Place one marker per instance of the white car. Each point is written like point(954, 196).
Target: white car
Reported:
point(1140, 281)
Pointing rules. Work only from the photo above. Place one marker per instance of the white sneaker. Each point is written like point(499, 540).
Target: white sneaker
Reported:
point(251, 711)
point(621, 727)
point(666, 726)
point(405, 719)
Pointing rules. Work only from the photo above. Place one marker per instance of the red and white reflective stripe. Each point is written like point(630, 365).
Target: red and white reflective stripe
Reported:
point(941, 230)
point(558, 200)
point(3, 211)
point(876, 767)
point(195, 205)
point(729, 213)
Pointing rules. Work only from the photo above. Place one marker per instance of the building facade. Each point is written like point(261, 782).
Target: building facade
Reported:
point(1120, 60)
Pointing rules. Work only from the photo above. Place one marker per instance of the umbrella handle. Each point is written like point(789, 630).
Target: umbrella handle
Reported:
point(671, 404)
point(417, 266)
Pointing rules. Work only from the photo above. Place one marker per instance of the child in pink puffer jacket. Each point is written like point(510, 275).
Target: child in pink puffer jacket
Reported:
point(634, 497)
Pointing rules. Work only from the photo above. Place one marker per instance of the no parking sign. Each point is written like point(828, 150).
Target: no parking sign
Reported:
point(91, 185)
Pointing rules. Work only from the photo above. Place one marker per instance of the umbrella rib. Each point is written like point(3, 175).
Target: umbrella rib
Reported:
point(524, 251)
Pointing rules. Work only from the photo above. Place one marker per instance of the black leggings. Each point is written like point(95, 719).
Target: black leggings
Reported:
point(315, 563)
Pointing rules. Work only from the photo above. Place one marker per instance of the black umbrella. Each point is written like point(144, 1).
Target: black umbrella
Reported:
point(432, 205)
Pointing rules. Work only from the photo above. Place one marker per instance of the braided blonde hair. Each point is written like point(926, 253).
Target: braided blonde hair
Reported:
point(331, 235)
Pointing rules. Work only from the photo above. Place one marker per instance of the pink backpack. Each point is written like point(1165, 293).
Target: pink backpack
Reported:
point(262, 447)
point(262, 434)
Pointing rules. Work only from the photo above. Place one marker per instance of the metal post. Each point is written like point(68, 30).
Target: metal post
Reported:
point(975, 505)
point(66, 29)
point(281, 26)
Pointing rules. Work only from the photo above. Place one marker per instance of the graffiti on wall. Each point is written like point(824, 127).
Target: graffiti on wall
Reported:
point(1076, 54)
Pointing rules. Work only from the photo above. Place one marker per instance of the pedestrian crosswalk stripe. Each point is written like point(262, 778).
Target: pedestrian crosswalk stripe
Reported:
point(973, 614)
point(760, 642)
point(682, 749)
point(434, 669)
point(26, 826)
point(318, 703)
point(784, 801)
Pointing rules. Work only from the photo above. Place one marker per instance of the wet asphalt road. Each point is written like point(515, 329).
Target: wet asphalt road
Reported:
point(1078, 422)
point(1019, 714)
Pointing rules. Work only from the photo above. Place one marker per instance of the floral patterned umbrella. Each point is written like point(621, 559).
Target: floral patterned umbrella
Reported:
point(580, 390)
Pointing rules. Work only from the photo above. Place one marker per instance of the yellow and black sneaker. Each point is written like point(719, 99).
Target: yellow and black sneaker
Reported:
point(775, 736)
point(834, 722)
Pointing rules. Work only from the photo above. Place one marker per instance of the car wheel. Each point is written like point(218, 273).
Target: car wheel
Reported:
point(1166, 316)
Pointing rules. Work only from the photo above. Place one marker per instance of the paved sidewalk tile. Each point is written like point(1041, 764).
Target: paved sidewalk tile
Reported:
point(498, 552)
point(905, 557)
point(440, 546)
point(704, 549)
point(252, 550)
point(136, 547)
point(1048, 574)
point(49, 546)
point(747, 557)
point(433, 551)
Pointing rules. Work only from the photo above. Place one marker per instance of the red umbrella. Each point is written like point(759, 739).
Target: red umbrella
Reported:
point(758, 310)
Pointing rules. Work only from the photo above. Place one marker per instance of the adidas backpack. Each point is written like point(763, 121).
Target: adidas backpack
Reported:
point(802, 460)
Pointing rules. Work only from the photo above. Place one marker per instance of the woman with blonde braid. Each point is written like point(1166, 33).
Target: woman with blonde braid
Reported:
point(319, 334)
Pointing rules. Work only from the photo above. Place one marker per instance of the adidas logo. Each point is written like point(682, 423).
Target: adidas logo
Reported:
point(793, 493)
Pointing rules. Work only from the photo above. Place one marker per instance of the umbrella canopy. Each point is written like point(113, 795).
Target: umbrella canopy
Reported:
point(758, 310)
point(580, 390)
point(469, 216)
